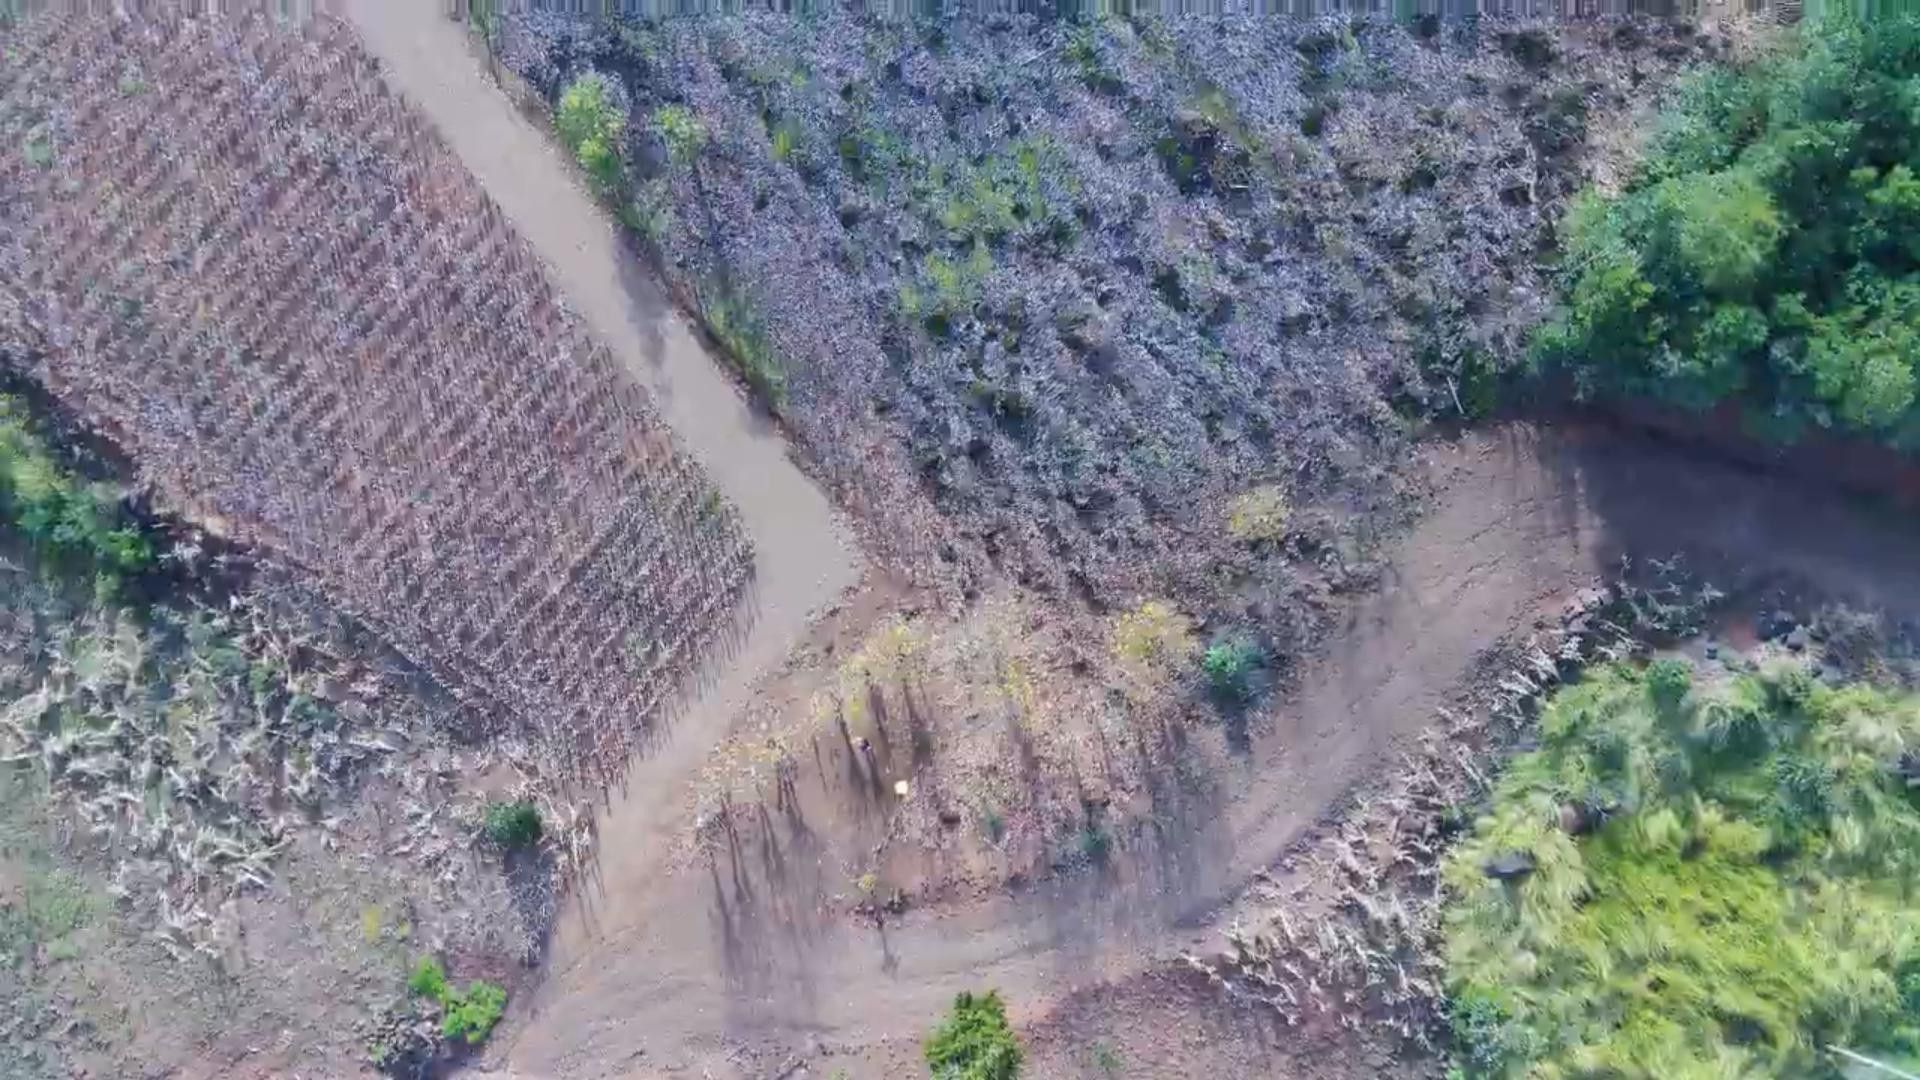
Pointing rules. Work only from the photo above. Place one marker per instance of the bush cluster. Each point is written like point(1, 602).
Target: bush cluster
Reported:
point(58, 511)
point(1692, 881)
point(974, 1042)
point(590, 123)
point(513, 825)
point(1769, 251)
point(466, 1015)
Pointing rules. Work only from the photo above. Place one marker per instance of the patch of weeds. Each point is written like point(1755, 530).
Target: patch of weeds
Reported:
point(783, 139)
point(1106, 1059)
point(872, 156)
point(1259, 516)
point(589, 122)
point(84, 525)
point(1153, 643)
point(513, 826)
point(650, 212)
point(468, 1014)
point(1231, 667)
point(1026, 184)
point(1092, 844)
point(743, 338)
point(974, 1042)
point(952, 287)
point(993, 824)
point(38, 150)
point(682, 132)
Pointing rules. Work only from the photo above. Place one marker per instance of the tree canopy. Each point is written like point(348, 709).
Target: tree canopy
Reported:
point(1768, 251)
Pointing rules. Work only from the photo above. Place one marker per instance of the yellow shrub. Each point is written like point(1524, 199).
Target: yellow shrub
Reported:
point(1259, 514)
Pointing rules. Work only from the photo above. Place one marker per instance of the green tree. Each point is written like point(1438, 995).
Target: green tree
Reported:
point(1769, 250)
point(974, 1042)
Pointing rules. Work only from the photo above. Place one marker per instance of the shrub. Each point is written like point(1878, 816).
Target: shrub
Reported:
point(469, 1014)
point(682, 131)
point(1259, 516)
point(513, 825)
point(1766, 252)
point(974, 1042)
point(1230, 667)
point(1742, 903)
point(59, 512)
point(428, 980)
point(589, 123)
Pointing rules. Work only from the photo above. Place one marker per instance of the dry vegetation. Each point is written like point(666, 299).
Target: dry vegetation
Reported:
point(233, 251)
point(419, 552)
point(1043, 298)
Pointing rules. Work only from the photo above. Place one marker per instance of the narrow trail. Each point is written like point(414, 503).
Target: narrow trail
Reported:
point(729, 970)
point(804, 556)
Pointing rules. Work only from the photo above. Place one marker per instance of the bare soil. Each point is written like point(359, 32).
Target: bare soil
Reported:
point(753, 963)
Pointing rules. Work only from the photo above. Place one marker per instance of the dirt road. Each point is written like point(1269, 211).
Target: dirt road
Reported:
point(741, 966)
point(734, 970)
point(804, 558)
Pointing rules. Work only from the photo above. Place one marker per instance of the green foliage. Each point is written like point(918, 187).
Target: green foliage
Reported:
point(682, 131)
point(737, 327)
point(589, 123)
point(470, 1015)
point(428, 979)
point(1769, 252)
point(467, 1014)
point(974, 1042)
point(513, 825)
point(1230, 667)
point(58, 512)
point(1741, 901)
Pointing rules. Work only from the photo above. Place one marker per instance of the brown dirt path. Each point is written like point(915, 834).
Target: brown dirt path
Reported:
point(735, 969)
point(804, 556)
point(750, 962)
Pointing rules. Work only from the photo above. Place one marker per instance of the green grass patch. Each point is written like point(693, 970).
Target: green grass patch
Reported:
point(1699, 882)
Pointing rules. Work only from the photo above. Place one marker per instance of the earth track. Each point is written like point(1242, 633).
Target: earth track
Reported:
point(752, 966)
point(804, 557)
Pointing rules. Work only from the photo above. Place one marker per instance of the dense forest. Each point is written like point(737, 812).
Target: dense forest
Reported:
point(1766, 253)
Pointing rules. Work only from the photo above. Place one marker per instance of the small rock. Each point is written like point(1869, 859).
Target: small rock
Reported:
point(1797, 639)
point(1713, 650)
point(1509, 867)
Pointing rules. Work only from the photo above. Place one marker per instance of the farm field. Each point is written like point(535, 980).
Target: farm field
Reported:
point(405, 567)
point(231, 250)
point(833, 546)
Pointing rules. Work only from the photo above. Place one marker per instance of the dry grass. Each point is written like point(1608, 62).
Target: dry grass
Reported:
point(232, 250)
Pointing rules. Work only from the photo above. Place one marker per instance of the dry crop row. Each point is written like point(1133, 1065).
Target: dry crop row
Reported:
point(236, 253)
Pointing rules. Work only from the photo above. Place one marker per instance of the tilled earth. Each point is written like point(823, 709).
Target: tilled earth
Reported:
point(233, 251)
